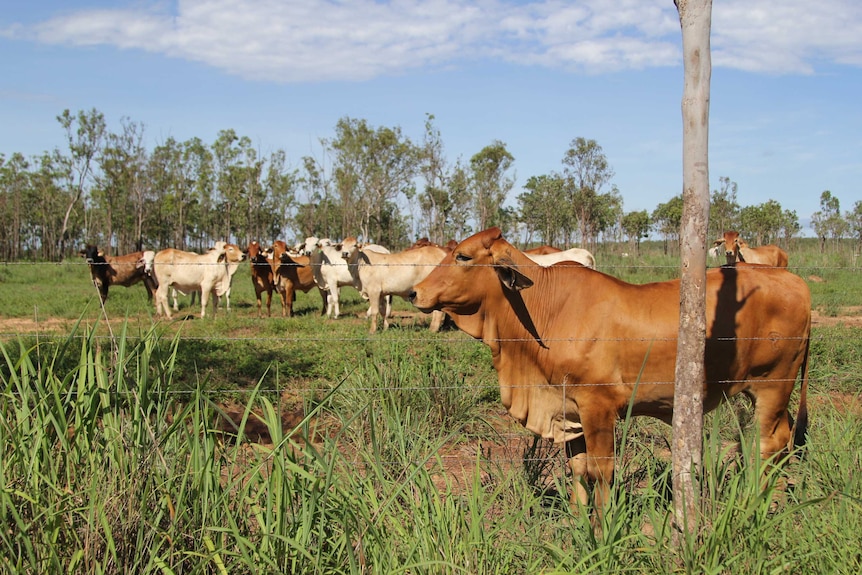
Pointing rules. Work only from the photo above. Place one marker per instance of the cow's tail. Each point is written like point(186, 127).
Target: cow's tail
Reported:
point(800, 428)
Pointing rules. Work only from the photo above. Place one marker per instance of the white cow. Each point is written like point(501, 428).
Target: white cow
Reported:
point(349, 246)
point(330, 274)
point(210, 274)
point(383, 275)
point(175, 293)
point(579, 255)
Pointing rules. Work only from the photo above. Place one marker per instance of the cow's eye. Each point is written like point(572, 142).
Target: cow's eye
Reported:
point(462, 257)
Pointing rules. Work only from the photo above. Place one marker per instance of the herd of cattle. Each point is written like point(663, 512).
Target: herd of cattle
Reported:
point(574, 349)
point(372, 269)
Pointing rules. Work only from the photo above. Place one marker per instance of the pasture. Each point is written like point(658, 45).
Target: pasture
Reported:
point(239, 444)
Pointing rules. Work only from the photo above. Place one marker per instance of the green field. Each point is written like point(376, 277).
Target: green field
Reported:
point(243, 445)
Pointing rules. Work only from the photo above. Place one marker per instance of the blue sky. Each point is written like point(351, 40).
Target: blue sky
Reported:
point(785, 120)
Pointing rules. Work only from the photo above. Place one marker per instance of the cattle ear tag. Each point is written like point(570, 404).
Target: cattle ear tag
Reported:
point(510, 276)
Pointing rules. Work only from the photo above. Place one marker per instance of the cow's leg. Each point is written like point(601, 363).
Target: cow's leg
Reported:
point(205, 293)
point(332, 309)
point(597, 464)
point(774, 421)
point(289, 297)
point(374, 298)
point(576, 451)
point(162, 307)
point(436, 321)
point(384, 307)
point(149, 284)
point(216, 299)
point(325, 299)
point(268, 304)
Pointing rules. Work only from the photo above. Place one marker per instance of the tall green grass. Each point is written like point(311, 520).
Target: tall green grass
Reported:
point(105, 469)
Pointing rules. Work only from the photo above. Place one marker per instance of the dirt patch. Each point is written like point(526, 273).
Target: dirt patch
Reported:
point(849, 316)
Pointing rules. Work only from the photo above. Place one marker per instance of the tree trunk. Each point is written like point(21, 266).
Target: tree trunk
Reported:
point(695, 20)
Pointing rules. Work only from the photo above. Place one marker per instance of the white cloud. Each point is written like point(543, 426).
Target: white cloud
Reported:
point(786, 36)
point(320, 40)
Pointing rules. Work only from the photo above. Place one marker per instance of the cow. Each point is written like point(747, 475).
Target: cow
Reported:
point(125, 270)
point(210, 274)
point(422, 242)
point(292, 272)
point(542, 250)
point(737, 250)
point(575, 349)
point(348, 245)
point(331, 274)
point(261, 276)
point(382, 275)
point(579, 255)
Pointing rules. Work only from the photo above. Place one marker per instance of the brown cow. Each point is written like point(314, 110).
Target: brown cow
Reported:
point(261, 276)
point(575, 348)
point(542, 250)
point(291, 273)
point(125, 270)
point(736, 250)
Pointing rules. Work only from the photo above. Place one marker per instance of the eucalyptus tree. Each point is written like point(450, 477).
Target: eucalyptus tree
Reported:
point(607, 212)
point(319, 214)
point(587, 171)
point(761, 223)
point(234, 160)
point(789, 227)
point(458, 185)
point(275, 213)
point(490, 185)
point(854, 220)
point(14, 212)
point(373, 168)
point(180, 176)
point(636, 226)
point(49, 210)
point(666, 219)
point(253, 197)
point(434, 201)
point(540, 209)
point(118, 196)
point(723, 208)
point(827, 221)
point(85, 132)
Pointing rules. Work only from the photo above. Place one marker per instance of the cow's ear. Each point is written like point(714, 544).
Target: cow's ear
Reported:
point(510, 275)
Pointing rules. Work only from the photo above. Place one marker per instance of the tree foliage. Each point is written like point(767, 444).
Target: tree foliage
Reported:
point(108, 188)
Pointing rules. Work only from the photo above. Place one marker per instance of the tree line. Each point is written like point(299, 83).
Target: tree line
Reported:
point(107, 188)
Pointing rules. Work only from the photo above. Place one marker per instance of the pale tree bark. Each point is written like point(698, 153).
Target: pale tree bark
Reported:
point(695, 19)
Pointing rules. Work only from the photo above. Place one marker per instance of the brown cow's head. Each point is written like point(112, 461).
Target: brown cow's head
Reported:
point(479, 267)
